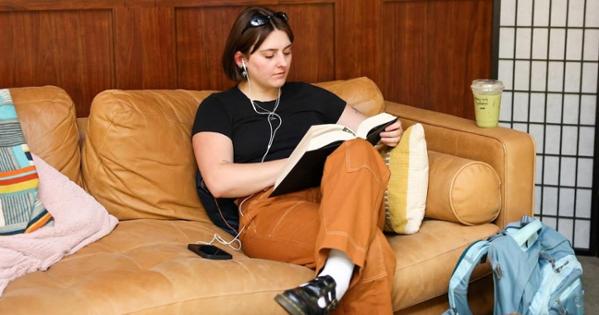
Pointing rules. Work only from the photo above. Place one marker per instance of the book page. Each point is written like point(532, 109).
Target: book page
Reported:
point(372, 122)
point(320, 138)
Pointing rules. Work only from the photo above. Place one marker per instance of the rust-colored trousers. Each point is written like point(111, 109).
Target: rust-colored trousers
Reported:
point(344, 213)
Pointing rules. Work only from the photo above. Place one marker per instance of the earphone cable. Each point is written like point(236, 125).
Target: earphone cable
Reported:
point(268, 113)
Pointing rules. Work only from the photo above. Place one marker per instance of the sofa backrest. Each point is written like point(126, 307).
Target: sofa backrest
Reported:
point(137, 158)
point(137, 155)
point(361, 93)
point(48, 119)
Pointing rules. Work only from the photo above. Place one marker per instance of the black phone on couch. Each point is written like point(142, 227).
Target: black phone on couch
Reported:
point(209, 251)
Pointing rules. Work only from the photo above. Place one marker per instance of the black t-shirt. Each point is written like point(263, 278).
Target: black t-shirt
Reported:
point(301, 105)
point(230, 113)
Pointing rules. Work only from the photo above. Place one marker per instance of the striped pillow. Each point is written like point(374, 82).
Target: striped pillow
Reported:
point(405, 198)
point(21, 210)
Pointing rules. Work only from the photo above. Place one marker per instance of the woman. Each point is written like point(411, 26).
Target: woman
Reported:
point(242, 138)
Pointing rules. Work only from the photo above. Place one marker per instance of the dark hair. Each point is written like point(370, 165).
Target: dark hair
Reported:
point(247, 39)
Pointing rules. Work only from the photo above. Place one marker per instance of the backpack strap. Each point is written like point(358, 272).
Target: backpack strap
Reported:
point(458, 284)
point(526, 234)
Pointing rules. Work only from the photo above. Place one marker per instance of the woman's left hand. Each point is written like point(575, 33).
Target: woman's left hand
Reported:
point(392, 134)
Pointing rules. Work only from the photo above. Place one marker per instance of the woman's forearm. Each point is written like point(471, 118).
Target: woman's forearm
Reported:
point(233, 180)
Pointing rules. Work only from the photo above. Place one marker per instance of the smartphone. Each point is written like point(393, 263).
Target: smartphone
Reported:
point(209, 251)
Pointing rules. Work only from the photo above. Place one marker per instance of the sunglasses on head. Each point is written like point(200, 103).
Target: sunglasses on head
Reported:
point(260, 19)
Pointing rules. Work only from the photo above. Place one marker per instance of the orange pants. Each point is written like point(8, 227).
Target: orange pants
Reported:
point(344, 213)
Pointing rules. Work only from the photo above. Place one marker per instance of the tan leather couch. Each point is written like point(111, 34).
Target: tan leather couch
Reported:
point(136, 159)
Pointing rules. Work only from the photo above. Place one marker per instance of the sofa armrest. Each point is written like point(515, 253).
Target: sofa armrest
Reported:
point(511, 153)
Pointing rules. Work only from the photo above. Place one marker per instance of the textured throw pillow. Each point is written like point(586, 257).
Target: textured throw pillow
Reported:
point(20, 207)
point(405, 198)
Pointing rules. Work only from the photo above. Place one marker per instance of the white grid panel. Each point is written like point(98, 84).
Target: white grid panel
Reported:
point(548, 61)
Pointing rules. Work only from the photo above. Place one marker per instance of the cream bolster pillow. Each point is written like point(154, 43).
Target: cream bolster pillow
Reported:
point(462, 190)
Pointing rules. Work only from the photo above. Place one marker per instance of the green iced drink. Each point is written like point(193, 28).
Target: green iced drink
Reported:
point(487, 99)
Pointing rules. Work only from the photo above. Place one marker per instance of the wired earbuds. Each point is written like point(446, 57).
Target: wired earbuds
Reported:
point(270, 115)
point(244, 72)
point(235, 243)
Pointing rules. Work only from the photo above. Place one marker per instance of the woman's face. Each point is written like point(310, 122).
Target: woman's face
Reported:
point(269, 65)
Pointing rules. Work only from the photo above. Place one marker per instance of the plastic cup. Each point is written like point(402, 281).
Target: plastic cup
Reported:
point(487, 99)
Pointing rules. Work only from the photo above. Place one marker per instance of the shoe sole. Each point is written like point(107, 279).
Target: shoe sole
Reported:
point(288, 305)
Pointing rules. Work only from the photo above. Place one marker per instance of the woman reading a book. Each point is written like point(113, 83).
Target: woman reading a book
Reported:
point(242, 138)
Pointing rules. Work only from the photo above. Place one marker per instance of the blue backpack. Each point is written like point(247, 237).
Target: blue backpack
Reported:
point(534, 268)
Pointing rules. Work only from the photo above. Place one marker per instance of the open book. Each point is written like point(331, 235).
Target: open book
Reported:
point(306, 162)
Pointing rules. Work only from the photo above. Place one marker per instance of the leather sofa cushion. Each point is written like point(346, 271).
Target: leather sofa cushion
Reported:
point(465, 191)
point(144, 267)
point(137, 157)
point(48, 119)
point(361, 93)
point(425, 260)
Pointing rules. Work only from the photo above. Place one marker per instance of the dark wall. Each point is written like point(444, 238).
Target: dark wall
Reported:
point(420, 52)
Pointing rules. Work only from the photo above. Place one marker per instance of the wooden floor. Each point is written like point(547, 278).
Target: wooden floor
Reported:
point(590, 281)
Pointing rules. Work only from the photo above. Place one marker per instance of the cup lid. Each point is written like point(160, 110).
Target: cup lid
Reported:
point(487, 85)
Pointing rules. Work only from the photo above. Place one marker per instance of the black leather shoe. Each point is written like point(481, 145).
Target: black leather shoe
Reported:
point(317, 297)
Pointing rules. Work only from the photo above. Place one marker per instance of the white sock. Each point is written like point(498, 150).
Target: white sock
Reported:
point(341, 268)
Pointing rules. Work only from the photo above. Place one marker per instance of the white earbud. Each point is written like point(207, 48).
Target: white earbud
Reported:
point(244, 73)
